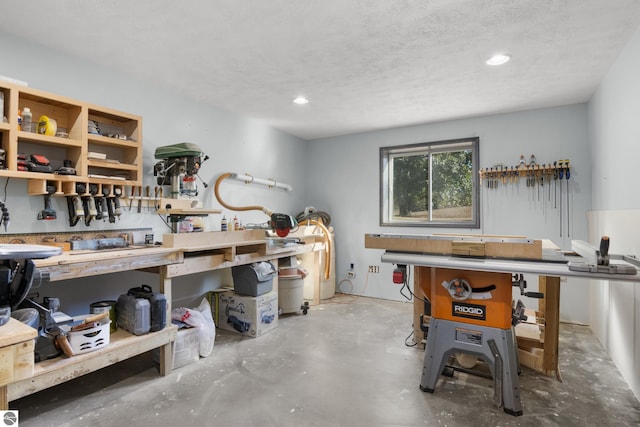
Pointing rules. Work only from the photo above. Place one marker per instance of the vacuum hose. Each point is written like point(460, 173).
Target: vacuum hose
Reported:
point(236, 208)
point(308, 221)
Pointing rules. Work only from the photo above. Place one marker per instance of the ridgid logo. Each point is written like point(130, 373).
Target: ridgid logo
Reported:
point(469, 311)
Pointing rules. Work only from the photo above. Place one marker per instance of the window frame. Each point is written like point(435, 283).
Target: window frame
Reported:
point(432, 147)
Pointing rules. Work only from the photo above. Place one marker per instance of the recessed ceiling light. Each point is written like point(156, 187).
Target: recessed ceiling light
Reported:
point(499, 59)
point(300, 100)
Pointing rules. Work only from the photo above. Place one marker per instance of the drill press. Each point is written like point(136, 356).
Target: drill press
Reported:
point(178, 167)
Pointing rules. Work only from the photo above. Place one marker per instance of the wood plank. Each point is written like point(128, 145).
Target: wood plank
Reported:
point(212, 239)
point(106, 262)
point(550, 286)
point(422, 291)
point(474, 249)
point(407, 244)
point(443, 246)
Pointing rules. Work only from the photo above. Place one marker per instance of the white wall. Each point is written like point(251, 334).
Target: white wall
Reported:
point(344, 179)
point(614, 134)
point(234, 143)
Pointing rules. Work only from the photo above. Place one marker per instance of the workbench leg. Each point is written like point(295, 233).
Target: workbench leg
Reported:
point(550, 308)
point(166, 351)
point(4, 398)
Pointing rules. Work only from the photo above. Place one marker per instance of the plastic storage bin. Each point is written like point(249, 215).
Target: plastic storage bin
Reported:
point(89, 339)
point(254, 279)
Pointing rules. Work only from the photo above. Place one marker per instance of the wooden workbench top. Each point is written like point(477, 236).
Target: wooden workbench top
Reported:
point(71, 257)
point(14, 332)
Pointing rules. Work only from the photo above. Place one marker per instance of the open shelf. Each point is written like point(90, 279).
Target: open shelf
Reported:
point(81, 128)
point(122, 345)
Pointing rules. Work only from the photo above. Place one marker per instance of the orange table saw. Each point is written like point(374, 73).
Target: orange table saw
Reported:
point(468, 281)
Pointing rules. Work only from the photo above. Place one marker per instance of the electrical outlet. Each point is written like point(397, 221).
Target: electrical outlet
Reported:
point(374, 269)
point(351, 273)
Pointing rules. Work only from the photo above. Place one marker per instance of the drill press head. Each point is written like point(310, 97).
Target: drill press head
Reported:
point(178, 167)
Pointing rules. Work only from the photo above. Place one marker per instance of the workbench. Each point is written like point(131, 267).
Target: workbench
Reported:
point(170, 261)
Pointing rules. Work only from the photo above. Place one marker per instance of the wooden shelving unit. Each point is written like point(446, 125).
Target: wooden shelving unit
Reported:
point(81, 128)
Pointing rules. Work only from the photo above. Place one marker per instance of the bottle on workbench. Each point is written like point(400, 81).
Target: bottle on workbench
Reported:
point(223, 223)
point(236, 223)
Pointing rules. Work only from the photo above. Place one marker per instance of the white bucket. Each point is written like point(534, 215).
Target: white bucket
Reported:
point(290, 293)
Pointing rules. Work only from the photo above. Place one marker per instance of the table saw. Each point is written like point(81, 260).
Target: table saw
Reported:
point(468, 279)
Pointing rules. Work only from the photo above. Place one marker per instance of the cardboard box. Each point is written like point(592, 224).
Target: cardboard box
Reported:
point(214, 302)
point(250, 316)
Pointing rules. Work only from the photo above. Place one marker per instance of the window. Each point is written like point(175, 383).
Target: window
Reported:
point(432, 184)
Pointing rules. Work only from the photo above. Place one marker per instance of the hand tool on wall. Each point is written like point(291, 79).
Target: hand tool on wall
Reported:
point(116, 202)
point(91, 210)
point(48, 213)
point(74, 204)
point(4, 218)
point(148, 196)
point(109, 202)
point(549, 175)
point(560, 176)
point(81, 189)
point(132, 193)
point(139, 199)
point(555, 185)
point(567, 175)
point(542, 172)
point(99, 201)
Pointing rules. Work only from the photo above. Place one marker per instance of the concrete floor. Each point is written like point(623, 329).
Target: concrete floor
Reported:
point(343, 364)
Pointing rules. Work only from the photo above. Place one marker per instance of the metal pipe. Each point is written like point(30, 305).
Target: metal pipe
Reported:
point(268, 182)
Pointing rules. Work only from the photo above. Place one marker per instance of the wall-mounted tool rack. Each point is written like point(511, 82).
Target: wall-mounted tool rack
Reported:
point(104, 146)
point(532, 172)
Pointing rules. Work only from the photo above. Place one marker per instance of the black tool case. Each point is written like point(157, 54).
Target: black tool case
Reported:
point(158, 302)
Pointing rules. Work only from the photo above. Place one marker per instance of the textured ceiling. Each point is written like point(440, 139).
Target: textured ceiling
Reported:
point(364, 64)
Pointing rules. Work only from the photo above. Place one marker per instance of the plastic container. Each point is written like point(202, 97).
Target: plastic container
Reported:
point(186, 348)
point(27, 123)
point(101, 307)
point(89, 339)
point(158, 306)
point(253, 279)
point(291, 294)
point(223, 223)
point(133, 314)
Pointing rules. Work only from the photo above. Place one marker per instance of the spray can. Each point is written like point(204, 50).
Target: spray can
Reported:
point(223, 223)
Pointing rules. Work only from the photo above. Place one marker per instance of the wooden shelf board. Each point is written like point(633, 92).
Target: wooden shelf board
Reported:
point(122, 345)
